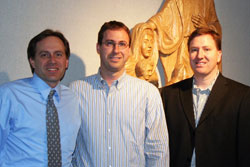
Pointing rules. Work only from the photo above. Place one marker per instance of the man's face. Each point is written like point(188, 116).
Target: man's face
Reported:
point(204, 56)
point(114, 51)
point(50, 60)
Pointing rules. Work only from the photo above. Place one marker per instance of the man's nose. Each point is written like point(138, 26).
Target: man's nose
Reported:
point(52, 58)
point(200, 54)
point(116, 48)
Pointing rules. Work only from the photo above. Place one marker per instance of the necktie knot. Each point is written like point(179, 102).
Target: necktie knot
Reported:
point(51, 94)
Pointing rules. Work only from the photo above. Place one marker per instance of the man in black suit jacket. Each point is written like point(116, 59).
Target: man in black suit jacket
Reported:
point(208, 115)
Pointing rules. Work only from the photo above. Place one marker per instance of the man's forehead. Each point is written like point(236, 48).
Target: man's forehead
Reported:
point(203, 40)
point(116, 35)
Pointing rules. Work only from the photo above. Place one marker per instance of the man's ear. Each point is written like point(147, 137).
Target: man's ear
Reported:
point(67, 64)
point(32, 62)
point(219, 56)
point(98, 48)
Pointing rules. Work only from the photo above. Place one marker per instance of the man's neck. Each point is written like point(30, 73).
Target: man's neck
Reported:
point(109, 76)
point(203, 82)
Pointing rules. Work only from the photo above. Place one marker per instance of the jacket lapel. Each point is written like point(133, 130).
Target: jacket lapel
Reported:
point(187, 100)
point(218, 91)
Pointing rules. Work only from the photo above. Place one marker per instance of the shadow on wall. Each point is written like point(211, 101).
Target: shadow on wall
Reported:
point(161, 74)
point(4, 77)
point(76, 70)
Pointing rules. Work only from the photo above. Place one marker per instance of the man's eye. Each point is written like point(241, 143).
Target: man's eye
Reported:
point(109, 43)
point(122, 44)
point(44, 55)
point(194, 50)
point(58, 54)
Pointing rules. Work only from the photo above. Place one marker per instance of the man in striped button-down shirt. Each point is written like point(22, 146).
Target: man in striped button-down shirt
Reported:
point(123, 123)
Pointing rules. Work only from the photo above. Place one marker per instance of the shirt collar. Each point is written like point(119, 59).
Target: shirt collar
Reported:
point(44, 89)
point(207, 90)
point(117, 83)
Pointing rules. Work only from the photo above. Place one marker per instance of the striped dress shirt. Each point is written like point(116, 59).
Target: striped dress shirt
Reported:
point(122, 125)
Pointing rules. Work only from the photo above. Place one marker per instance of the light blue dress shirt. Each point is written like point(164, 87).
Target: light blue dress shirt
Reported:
point(123, 125)
point(23, 139)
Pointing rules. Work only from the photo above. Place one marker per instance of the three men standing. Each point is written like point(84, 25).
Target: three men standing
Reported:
point(123, 121)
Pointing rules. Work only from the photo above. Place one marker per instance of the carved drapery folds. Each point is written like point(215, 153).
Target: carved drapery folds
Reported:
point(165, 36)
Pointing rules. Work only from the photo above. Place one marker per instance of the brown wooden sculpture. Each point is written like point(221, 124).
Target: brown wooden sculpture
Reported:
point(144, 54)
point(170, 28)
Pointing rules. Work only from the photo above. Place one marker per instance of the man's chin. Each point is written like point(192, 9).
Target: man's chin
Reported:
point(54, 79)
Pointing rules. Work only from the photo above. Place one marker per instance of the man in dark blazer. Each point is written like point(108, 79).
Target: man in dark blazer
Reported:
point(208, 115)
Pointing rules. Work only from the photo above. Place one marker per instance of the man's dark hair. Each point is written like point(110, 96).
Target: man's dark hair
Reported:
point(31, 51)
point(112, 25)
point(206, 31)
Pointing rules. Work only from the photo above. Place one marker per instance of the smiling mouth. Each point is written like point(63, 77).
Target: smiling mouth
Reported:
point(52, 69)
point(115, 58)
point(200, 63)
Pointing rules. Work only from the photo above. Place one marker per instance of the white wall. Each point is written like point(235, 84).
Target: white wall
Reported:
point(234, 17)
point(80, 21)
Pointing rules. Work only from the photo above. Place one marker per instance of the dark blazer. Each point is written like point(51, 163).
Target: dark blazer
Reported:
point(222, 136)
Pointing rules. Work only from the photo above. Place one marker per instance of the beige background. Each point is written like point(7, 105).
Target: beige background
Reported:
point(80, 21)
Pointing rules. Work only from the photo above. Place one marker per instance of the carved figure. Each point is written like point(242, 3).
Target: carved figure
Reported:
point(144, 56)
point(145, 69)
point(173, 24)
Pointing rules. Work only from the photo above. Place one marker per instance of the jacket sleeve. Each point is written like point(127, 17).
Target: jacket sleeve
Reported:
point(244, 131)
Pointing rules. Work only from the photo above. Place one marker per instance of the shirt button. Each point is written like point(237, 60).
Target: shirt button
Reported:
point(109, 148)
point(108, 130)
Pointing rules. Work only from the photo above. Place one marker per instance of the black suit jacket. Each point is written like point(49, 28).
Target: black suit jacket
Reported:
point(222, 136)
